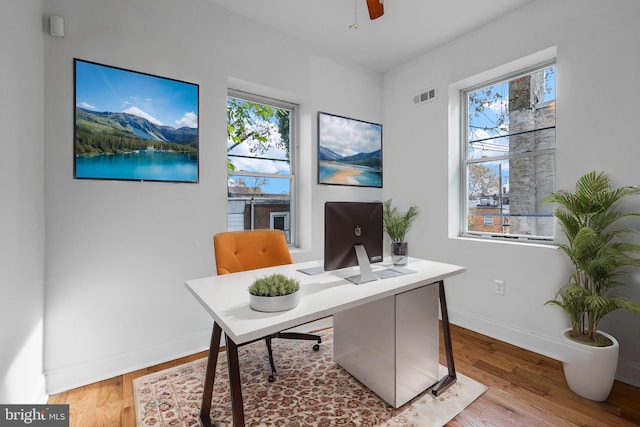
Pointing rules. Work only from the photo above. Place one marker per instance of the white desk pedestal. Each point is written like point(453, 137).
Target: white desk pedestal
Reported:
point(391, 345)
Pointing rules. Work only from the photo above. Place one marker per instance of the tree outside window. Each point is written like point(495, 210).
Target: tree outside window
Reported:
point(260, 179)
point(509, 155)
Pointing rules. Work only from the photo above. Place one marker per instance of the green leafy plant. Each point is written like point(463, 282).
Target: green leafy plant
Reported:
point(274, 285)
point(396, 224)
point(590, 219)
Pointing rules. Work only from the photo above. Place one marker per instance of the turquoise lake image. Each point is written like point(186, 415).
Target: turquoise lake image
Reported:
point(349, 151)
point(134, 126)
point(140, 166)
point(344, 174)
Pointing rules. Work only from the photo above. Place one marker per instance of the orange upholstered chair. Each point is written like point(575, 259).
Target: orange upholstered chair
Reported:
point(237, 251)
point(248, 250)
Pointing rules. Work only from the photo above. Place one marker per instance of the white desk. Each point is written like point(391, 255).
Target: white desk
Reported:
point(226, 299)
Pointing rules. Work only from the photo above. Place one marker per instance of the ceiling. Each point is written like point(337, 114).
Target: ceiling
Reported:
point(407, 29)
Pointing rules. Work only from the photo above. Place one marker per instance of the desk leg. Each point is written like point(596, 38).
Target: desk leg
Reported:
point(449, 379)
point(212, 361)
point(237, 407)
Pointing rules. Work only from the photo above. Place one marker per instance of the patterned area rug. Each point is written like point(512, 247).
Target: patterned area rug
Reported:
point(311, 390)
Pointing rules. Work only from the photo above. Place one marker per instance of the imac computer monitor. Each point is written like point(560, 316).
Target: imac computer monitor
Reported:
point(353, 236)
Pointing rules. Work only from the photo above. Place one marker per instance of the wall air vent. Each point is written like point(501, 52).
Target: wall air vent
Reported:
point(425, 96)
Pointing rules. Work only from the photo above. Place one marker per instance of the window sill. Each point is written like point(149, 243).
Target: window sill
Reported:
point(506, 241)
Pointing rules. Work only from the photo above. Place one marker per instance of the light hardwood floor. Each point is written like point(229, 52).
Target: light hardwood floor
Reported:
point(525, 389)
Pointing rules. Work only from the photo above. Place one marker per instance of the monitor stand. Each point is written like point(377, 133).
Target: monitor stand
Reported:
point(366, 274)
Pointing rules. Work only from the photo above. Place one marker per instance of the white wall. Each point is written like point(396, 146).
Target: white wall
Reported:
point(118, 253)
point(22, 205)
point(597, 91)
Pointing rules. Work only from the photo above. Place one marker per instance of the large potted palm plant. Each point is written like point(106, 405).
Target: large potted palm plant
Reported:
point(595, 243)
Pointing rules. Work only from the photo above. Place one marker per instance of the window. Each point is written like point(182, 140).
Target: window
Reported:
point(508, 155)
point(280, 221)
point(260, 163)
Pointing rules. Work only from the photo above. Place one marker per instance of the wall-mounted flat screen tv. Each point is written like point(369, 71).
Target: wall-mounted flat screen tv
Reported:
point(134, 126)
point(349, 151)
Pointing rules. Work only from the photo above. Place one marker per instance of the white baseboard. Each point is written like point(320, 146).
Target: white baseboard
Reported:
point(39, 391)
point(67, 378)
point(553, 347)
point(62, 379)
point(70, 377)
point(628, 372)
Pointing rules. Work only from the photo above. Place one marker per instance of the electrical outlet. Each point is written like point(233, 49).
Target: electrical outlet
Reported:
point(498, 288)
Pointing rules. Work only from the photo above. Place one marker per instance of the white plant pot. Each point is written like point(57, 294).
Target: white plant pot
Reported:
point(273, 304)
point(590, 373)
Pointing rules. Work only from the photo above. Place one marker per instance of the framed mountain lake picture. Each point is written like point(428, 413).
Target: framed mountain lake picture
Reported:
point(134, 126)
point(349, 151)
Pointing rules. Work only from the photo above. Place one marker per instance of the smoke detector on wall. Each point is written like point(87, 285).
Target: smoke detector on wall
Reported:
point(425, 96)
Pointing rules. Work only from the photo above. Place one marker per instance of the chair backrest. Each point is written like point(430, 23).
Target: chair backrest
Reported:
point(250, 249)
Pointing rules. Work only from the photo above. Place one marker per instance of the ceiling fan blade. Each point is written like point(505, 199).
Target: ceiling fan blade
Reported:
point(376, 8)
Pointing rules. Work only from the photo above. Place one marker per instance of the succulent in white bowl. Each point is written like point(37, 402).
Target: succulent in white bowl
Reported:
point(275, 292)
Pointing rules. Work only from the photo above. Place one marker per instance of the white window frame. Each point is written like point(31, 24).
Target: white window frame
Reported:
point(293, 144)
point(463, 141)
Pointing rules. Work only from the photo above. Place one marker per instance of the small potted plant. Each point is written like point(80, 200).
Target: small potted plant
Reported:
point(275, 292)
point(396, 224)
point(590, 218)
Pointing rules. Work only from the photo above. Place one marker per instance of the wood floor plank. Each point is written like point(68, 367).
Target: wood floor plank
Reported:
point(82, 405)
point(109, 402)
point(626, 398)
point(525, 389)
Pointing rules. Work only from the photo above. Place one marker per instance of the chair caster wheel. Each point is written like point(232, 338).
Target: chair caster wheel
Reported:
point(316, 347)
point(272, 378)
